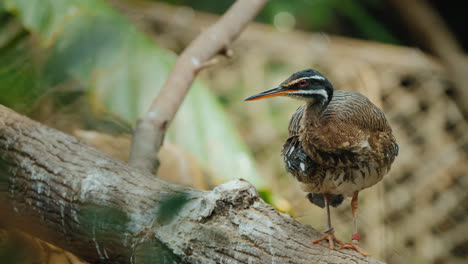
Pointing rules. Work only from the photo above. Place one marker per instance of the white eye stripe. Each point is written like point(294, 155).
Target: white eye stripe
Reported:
point(306, 92)
point(320, 91)
point(315, 77)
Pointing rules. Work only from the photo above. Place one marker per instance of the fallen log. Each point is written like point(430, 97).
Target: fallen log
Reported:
point(60, 190)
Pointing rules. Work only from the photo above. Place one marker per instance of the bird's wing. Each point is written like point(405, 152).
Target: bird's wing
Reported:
point(352, 109)
point(347, 109)
point(293, 152)
point(295, 122)
point(350, 124)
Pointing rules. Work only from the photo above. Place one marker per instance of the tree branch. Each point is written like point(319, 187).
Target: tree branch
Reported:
point(55, 187)
point(150, 130)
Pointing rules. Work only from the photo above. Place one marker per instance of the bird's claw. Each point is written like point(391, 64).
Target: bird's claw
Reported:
point(330, 236)
point(353, 246)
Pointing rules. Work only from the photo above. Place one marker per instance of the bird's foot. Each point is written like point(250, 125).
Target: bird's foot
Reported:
point(354, 245)
point(330, 236)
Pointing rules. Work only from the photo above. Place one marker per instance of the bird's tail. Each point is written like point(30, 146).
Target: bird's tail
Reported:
point(318, 199)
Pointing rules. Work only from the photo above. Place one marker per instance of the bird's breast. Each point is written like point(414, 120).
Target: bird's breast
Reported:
point(344, 180)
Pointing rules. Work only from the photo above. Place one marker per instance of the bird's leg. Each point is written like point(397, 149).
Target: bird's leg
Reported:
point(354, 244)
point(354, 207)
point(330, 232)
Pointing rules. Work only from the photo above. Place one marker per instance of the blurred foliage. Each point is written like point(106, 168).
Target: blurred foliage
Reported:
point(17, 249)
point(84, 46)
point(218, 144)
point(344, 17)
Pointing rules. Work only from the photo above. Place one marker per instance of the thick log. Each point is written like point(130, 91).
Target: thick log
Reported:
point(57, 188)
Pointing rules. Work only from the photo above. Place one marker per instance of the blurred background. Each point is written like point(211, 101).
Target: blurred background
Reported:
point(92, 67)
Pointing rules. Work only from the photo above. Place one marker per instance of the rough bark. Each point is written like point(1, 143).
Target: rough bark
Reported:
point(57, 188)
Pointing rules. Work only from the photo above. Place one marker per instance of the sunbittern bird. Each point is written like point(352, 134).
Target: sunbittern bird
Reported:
point(339, 144)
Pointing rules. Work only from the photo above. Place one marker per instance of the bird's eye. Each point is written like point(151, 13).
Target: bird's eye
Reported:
point(303, 83)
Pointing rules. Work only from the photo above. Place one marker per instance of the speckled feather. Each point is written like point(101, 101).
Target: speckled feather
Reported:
point(347, 147)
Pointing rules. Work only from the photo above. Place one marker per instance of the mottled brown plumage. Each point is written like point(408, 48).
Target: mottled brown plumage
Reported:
point(339, 143)
point(347, 147)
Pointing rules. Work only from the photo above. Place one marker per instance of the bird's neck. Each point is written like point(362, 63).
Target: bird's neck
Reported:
point(313, 112)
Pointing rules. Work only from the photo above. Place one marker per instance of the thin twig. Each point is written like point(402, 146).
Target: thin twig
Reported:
point(207, 64)
point(150, 130)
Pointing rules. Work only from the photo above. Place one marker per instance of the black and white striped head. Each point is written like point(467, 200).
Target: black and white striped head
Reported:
point(309, 85)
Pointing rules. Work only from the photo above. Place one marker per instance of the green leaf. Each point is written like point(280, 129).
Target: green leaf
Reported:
point(369, 26)
point(19, 87)
point(87, 42)
point(202, 127)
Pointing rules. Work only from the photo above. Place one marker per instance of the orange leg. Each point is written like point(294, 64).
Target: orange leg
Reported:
point(329, 233)
point(354, 244)
point(330, 236)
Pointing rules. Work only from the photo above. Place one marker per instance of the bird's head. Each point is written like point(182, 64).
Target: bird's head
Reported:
point(308, 85)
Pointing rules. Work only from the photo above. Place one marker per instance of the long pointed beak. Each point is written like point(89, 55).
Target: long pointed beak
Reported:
point(278, 91)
